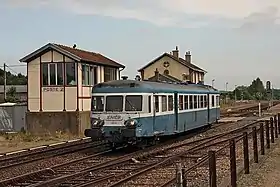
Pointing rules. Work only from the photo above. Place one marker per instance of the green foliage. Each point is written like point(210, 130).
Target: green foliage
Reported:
point(255, 91)
point(11, 95)
point(12, 79)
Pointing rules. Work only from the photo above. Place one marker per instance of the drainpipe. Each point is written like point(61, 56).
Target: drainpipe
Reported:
point(120, 72)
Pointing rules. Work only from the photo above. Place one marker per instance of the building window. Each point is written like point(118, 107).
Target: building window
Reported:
point(89, 75)
point(166, 72)
point(52, 74)
point(110, 74)
point(70, 74)
point(164, 103)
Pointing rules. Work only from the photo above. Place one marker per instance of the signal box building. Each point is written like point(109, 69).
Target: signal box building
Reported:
point(60, 79)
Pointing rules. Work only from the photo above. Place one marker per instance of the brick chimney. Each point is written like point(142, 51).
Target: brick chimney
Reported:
point(176, 52)
point(188, 57)
point(157, 74)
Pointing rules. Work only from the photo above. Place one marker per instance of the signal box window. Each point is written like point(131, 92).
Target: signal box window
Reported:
point(195, 101)
point(191, 102)
point(164, 103)
point(97, 103)
point(186, 102)
point(181, 102)
point(156, 103)
point(133, 103)
point(170, 103)
point(114, 103)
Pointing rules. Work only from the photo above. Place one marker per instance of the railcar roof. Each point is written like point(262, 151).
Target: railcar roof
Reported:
point(129, 86)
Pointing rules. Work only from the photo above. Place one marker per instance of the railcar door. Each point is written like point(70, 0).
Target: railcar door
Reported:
point(208, 108)
point(176, 103)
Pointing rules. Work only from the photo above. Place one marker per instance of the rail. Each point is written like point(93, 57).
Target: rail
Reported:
point(262, 136)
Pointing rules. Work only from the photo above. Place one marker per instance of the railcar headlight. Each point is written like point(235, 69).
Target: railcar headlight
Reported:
point(95, 122)
point(131, 122)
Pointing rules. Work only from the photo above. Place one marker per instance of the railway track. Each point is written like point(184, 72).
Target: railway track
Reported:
point(247, 110)
point(16, 158)
point(100, 170)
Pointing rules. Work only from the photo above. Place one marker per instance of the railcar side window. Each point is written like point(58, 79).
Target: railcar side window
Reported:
point(218, 100)
point(97, 103)
point(186, 102)
point(149, 104)
point(114, 103)
point(201, 101)
point(191, 101)
point(213, 100)
point(133, 103)
point(164, 103)
point(170, 103)
point(195, 101)
point(181, 102)
point(205, 101)
point(156, 106)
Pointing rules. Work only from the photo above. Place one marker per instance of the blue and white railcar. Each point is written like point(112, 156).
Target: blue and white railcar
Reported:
point(128, 111)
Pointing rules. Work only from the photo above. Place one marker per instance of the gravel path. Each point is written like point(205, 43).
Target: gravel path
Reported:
point(265, 174)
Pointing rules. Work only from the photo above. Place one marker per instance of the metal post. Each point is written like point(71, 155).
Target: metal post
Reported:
point(5, 83)
point(179, 177)
point(271, 130)
point(184, 174)
point(260, 109)
point(262, 138)
point(246, 152)
point(255, 145)
point(278, 121)
point(276, 126)
point(232, 163)
point(212, 169)
point(267, 134)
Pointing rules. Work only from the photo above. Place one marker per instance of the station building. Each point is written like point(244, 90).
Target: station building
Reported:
point(170, 67)
point(60, 80)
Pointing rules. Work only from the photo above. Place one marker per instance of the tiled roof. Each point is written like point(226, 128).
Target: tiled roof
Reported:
point(74, 53)
point(90, 56)
point(180, 60)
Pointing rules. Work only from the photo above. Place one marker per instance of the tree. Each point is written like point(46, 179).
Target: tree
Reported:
point(11, 95)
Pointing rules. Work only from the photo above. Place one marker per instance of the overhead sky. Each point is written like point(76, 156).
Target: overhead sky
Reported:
point(235, 41)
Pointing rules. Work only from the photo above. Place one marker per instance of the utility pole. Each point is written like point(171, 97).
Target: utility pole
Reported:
point(5, 82)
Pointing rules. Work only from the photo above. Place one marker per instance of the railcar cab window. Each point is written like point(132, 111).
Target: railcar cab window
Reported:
point(114, 103)
point(133, 103)
point(97, 103)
